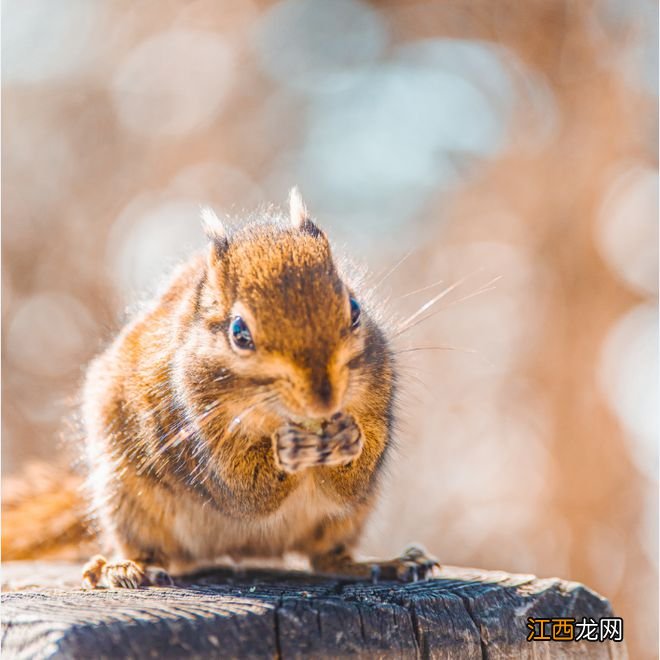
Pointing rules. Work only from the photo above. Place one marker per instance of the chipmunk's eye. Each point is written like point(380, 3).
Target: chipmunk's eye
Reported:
point(355, 313)
point(240, 334)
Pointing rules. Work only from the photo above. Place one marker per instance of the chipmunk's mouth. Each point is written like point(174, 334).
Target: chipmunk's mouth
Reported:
point(314, 425)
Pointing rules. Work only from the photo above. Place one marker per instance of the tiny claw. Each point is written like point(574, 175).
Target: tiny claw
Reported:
point(159, 577)
point(414, 552)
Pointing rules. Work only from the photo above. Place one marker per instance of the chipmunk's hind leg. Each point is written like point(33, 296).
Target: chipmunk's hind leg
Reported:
point(413, 565)
point(126, 574)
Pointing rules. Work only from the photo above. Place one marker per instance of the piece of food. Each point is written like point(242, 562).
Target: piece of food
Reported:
point(312, 425)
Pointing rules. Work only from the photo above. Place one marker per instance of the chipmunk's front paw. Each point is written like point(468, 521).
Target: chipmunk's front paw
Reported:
point(297, 449)
point(344, 438)
point(338, 442)
point(125, 574)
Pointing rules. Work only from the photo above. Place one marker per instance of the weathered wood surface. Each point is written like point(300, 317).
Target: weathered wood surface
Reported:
point(463, 614)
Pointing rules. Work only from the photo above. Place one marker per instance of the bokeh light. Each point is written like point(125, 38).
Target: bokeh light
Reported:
point(297, 45)
point(45, 42)
point(628, 233)
point(151, 235)
point(173, 83)
point(629, 377)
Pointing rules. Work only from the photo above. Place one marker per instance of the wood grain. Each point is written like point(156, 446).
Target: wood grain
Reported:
point(220, 613)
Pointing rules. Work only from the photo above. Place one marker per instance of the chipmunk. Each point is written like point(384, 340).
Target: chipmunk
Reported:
point(247, 412)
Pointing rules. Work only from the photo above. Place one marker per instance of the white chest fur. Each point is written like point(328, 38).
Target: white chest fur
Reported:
point(206, 534)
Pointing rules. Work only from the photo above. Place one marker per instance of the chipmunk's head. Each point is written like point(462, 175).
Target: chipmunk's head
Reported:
point(278, 316)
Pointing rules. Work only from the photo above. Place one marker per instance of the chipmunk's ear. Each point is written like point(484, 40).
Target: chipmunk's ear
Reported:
point(299, 215)
point(215, 231)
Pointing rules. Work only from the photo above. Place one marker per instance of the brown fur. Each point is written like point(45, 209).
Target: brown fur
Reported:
point(197, 450)
point(43, 515)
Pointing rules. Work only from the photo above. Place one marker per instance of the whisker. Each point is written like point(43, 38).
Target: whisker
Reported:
point(174, 440)
point(244, 414)
point(424, 288)
point(435, 348)
point(435, 299)
point(460, 349)
point(484, 289)
point(233, 426)
point(240, 418)
point(150, 460)
point(416, 379)
point(210, 414)
point(393, 268)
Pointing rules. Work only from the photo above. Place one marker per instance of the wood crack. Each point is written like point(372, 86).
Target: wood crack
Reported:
point(280, 614)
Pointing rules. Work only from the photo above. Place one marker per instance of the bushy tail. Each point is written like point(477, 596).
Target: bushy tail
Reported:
point(43, 515)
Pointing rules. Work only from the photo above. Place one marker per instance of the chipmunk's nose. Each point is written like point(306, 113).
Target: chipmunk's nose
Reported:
point(326, 397)
point(324, 391)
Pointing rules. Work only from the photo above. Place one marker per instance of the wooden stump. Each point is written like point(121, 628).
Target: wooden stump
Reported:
point(274, 614)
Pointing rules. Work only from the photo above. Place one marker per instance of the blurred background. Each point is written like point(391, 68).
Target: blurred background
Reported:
point(463, 140)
